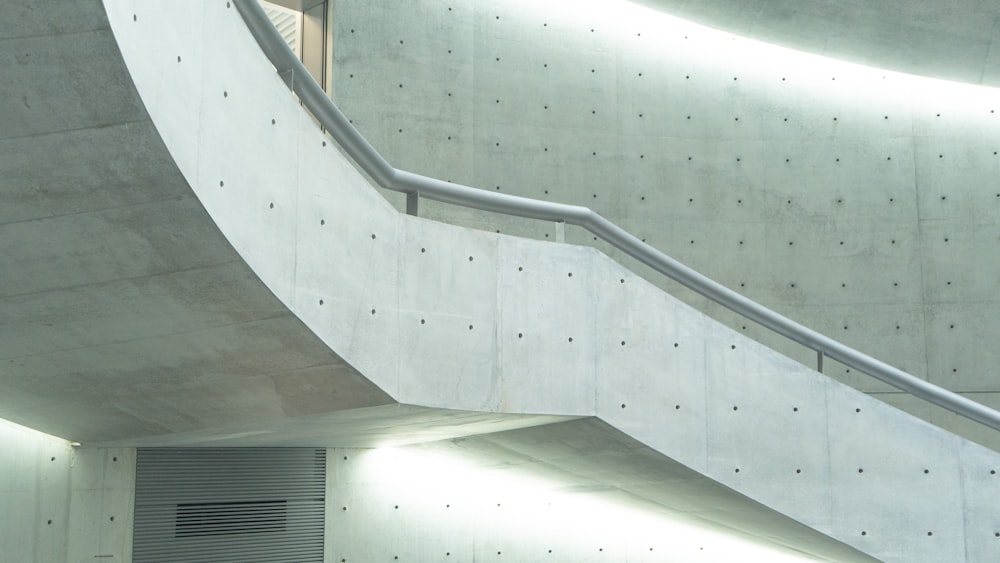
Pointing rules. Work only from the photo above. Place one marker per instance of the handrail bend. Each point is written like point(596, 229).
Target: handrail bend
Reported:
point(368, 159)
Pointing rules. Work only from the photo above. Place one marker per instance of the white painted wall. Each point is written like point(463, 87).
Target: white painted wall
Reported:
point(59, 503)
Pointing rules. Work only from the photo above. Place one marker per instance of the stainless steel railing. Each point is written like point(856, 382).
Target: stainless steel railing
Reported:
point(371, 162)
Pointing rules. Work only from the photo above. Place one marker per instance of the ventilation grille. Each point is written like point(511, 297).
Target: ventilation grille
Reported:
point(287, 22)
point(226, 518)
point(243, 505)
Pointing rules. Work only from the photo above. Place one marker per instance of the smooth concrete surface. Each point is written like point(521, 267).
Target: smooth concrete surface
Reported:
point(102, 505)
point(34, 495)
point(59, 503)
point(859, 202)
point(123, 312)
point(576, 491)
point(955, 40)
point(442, 316)
point(372, 427)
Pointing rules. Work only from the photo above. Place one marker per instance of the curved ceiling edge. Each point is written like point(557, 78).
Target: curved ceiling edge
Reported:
point(957, 41)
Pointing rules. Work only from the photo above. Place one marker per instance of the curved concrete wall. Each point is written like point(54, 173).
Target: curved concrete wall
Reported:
point(859, 202)
point(124, 313)
point(956, 40)
point(445, 316)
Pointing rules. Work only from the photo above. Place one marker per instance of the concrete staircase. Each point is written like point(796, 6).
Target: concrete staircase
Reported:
point(446, 317)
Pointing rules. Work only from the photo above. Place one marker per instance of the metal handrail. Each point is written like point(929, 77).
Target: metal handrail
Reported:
point(313, 97)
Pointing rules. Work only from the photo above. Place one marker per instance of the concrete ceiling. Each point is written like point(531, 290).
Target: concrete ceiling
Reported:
point(126, 318)
point(124, 313)
point(955, 40)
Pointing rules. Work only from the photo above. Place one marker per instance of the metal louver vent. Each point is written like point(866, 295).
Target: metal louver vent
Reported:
point(243, 505)
point(234, 517)
point(288, 23)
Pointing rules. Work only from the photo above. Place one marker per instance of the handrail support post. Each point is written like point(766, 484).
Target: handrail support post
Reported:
point(412, 203)
point(819, 360)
